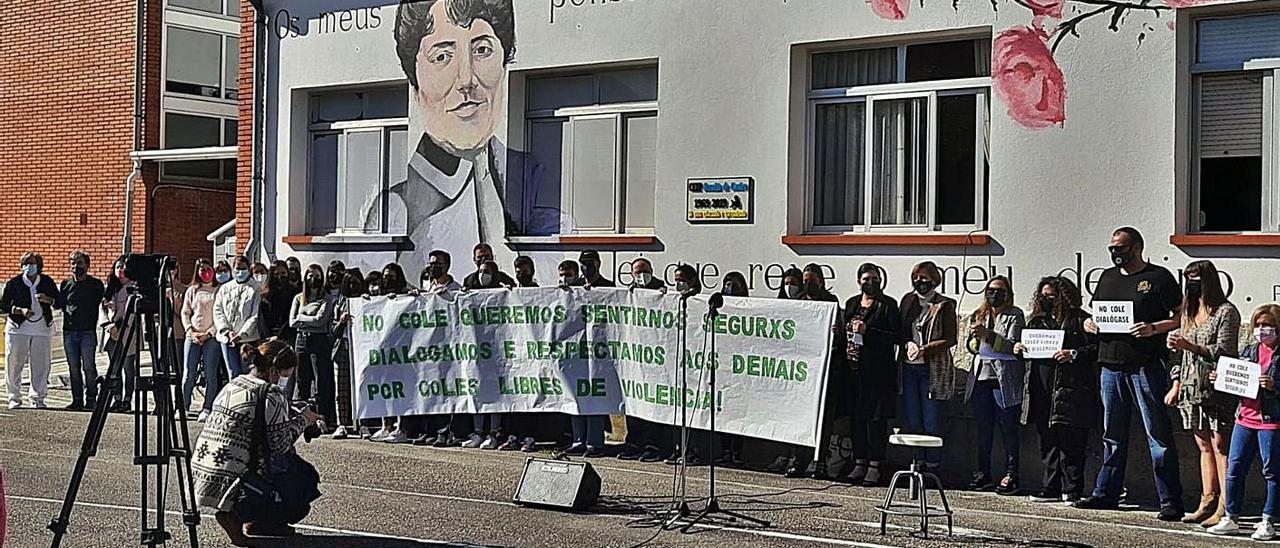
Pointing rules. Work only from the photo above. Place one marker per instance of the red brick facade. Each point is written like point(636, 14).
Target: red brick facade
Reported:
point(65, 136)
point(244, 164)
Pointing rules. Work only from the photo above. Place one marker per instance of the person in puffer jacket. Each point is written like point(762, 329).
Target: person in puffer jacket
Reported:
point(235, 315)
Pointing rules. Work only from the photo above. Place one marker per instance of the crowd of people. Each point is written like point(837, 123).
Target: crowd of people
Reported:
point(247, 326)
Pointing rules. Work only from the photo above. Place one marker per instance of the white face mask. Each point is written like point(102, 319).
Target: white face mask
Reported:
point(260, 278)
point(793, 291)
point(644, 278)
point(486, 278)
point(682, 286)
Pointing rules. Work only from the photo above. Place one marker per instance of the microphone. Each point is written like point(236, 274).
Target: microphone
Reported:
point(714, 303)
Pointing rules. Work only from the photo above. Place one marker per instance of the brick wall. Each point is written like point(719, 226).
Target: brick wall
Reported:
point(244, 165)
point(183, 216)
point(67, 128)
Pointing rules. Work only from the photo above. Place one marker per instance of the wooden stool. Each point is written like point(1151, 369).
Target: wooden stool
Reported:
point(917, 485)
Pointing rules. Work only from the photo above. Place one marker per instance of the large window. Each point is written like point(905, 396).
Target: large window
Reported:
point(230, 8)
point(1235, 110)
point(897, 136)
point(201, 63)
point(358, 146)
point(592, 141)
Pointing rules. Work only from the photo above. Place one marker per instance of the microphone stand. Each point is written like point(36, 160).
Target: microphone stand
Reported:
point(713, 502)
point(680, 503)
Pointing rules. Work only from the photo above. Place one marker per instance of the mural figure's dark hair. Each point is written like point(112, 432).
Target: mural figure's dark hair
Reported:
point(414, 22)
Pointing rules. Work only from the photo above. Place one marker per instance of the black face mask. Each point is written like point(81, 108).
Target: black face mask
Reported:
point(79, 270)
point(1195, 288)
point(314, 281)
point(1120, 257)
point(1047, 304)
point(922, 286)
point(871, 288)
point(437, 270)
point(524, 279)
point(996, 298)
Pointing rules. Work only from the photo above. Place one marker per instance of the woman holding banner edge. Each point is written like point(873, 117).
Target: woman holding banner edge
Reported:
point(1210, 329)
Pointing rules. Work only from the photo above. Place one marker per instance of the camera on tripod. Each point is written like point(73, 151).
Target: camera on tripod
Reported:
point(146, 271)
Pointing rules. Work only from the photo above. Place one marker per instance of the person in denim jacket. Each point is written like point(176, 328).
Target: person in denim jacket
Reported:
point(1257, 422)
point(995, 387)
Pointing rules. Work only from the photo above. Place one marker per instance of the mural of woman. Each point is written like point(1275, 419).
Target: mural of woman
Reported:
point(455, 54)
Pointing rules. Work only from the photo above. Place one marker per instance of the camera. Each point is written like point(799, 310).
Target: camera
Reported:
point(313, 430)
point(146, 271)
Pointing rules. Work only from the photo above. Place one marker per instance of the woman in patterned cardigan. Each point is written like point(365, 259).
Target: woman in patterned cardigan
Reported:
point(223, 449)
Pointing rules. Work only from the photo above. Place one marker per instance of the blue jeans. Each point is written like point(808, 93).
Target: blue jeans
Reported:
point(231, 357)
point(1144, 387)
point(989, 415)
point(921, 410)
point(81, 348)
point(1244, 442)
point(589, 429)
point(209, 354)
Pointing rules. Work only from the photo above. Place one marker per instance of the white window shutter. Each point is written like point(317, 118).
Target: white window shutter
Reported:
point(1230, 115)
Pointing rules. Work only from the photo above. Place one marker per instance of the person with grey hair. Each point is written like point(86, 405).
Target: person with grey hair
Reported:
point(29, 298)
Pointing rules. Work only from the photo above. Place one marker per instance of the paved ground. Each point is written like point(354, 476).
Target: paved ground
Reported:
point(379, 495)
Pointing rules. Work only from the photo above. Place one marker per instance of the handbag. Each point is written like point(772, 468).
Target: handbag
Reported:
point(277, 489)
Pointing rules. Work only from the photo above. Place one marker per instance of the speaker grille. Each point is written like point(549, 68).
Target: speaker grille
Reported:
point(556, 483)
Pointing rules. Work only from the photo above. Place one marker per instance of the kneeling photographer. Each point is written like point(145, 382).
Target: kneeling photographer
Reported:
point(244, 463)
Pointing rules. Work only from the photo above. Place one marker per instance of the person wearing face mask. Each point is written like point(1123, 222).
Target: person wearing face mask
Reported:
point(786, 463)
point(404, 429)
point(436, 279)
point(569, 274)
point(277, 296)
point(29, 298)
point(872, 329)
point(590, 261)
point(688, 284)
point(116, 304)
point(487, 277)
point(525, 273)
point(293, 272)
point(236, 315)
point(373, 282)
point(261, 273)
point(1210, 329)
point(82, 293)
point(995, 387)
point(333, 278)
point(1257, 423)
point(1061, 399)
point(311, 315)
point(229, 446)
point(352, 287)
point(481, 254)
point(646, 441)
point(1133, 373)
point(836, 404)
point(930, 331)
point(201, 347)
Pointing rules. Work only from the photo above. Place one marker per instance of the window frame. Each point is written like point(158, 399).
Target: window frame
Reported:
point(1269, 70)
point(620, 113)
point(192, 23)
point(222, 141)
point(224, 14)
point(980, 86)
point(343, 128)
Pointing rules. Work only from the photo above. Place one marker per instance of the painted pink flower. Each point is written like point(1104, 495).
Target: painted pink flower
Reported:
point(1045, 8)
point(1185, 3)
point(1027, 78)
point(895, 10)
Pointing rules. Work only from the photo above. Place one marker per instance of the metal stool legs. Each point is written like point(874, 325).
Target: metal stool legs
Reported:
point(917, 484)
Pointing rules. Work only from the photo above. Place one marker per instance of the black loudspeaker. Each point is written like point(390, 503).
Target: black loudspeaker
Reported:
point(558, 484)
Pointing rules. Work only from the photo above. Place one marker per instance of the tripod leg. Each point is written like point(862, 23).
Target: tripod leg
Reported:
point(181, 452)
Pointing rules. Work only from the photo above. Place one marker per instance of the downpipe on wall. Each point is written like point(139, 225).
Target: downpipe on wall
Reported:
point(252, 248)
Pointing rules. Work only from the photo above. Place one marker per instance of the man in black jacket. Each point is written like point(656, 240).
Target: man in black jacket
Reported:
point(480, 254)
point(590, 261)
point(83, 295)
point(29, 299)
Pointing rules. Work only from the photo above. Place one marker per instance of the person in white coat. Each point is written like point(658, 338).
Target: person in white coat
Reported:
point(235, 315)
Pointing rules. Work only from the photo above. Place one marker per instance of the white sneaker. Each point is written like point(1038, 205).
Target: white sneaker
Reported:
point(340, 433)
point(15, 405)
point(204, 416)
point(397, 437)
point(1264, 531)
point(380, 434)
point(530, 445)
point(1227, 526)
point(473, 442)
point(489, 442)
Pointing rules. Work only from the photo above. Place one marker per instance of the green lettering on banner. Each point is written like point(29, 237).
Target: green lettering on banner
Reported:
point(387, 390)
point(371, 323)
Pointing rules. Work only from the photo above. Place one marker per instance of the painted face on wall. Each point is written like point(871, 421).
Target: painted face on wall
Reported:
point(461, 82)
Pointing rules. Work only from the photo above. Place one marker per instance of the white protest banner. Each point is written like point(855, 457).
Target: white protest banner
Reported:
point(1113, 316)
point(1238, 377)
point(1041, 343)
point(598, 351)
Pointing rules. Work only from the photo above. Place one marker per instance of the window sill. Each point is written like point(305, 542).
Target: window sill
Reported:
point(1225, 240)
point(608, 239)
point(344, 239)
point(886, 239)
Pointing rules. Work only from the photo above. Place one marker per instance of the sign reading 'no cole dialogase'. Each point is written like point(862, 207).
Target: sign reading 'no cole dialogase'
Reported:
point(596, 352)
point(726, 200)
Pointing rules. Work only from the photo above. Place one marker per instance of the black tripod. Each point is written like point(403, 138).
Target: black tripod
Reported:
point(680, 503)
point(713, 503)
point(153, 445)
